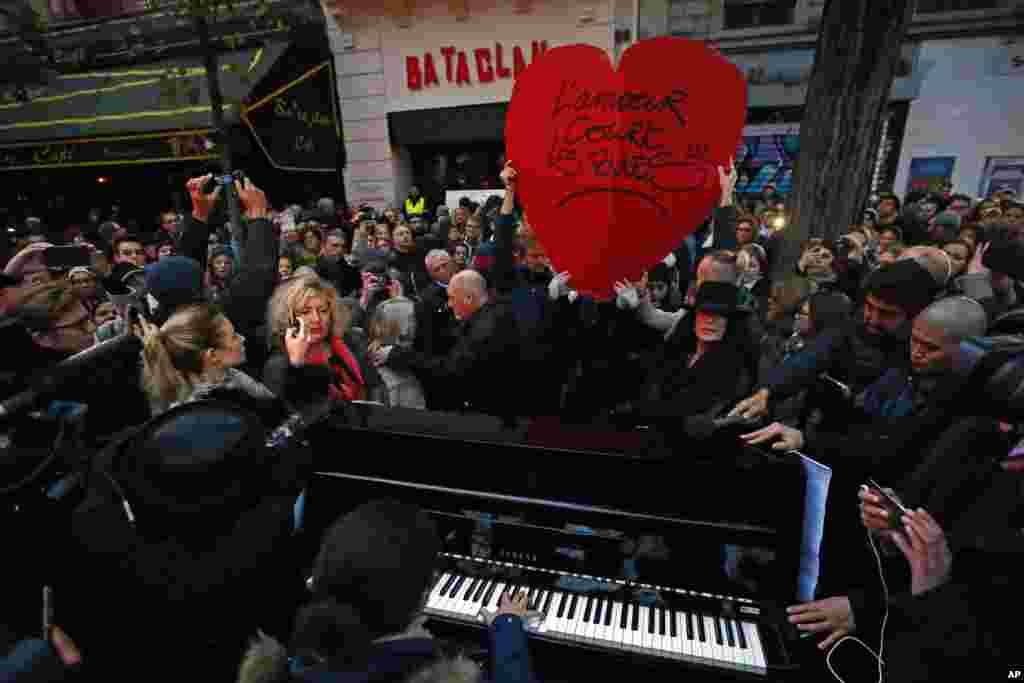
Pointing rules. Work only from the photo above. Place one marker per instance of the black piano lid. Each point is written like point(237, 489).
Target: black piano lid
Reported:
point(717, 482)
point(591, 511)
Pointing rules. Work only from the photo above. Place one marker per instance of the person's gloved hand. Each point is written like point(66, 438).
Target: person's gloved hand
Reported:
point(559, 286)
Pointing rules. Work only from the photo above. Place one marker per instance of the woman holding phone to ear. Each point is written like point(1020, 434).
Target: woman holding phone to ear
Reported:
point(313, 351)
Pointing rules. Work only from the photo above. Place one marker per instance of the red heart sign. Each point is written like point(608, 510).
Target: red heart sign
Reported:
point(616, 168)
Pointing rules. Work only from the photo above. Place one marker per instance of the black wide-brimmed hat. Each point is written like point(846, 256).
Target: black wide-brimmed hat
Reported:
point(720, 298)
point(196, 457)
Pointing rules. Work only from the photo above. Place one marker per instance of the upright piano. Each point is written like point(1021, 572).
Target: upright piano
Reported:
point(633, 547)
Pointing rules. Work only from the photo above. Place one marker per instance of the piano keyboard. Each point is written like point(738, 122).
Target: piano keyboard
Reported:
point(601, 621)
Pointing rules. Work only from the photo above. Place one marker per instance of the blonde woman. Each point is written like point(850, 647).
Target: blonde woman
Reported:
point(313, 353)
point(195, 355)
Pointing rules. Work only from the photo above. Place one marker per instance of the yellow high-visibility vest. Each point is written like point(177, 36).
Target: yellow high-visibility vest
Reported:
point(415, 208)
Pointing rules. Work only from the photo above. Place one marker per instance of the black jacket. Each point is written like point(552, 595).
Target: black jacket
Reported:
point(194, 581)
point(245, 301)
point(482, 368)
point(310, 383)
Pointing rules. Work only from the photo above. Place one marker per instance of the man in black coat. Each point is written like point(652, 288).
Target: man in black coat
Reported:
point(481, 370)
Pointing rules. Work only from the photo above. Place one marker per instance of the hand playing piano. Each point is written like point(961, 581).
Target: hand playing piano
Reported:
point(516, 606)
point(831, 615)
point(785, 438)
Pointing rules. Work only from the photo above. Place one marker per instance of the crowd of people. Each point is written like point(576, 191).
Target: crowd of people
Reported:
point(186, 546)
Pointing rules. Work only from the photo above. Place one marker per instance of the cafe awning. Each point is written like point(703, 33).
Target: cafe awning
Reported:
point(166, 98)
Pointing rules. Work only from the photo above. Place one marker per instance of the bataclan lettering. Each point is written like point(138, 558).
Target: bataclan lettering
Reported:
point(469, 67)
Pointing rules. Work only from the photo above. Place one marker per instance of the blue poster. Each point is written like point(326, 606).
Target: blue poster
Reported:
point(931, 174)
point(818, 478)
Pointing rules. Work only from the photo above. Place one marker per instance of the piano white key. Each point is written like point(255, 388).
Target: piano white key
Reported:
point(715, 650)
point(656, 632)
point(444, 599)
point(492, 604)
point(591, 625)
point(559, 606)
point(432, 598)
point(744, 654)
point(701, 648)
point(754, 642)
point(612, 629)
point(604, 631)
point(675, 645)
point(627, 630)
point(579, 629)
point(748, 652)
point(645, 634)
point(599, 628)
point(686, 645)
point(731, 652)
point(465, 604)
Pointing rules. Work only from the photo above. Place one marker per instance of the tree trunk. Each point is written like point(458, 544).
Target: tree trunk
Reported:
point(859, 46)
point(212, 66)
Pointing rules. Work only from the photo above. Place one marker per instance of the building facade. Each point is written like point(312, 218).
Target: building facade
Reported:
point(424, 84)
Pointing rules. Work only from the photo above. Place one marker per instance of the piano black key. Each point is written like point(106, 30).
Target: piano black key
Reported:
point(700, 628)
point(718, 630)
point(471, 589)
point(531, 602)
point(728, 633)
point(661, 615)
point(635, 610)
point(672, 623)
point(478, 593)
point(622, 617)
point(597, 610)
point(455, 587)
point(608, 613)
point(547, 602)
point(448, 584)
point(588, 610)
point(572, 607)
point(689, 626)
point(563, 605)
point(490, 592)
point(740, 634)
point(650, 620)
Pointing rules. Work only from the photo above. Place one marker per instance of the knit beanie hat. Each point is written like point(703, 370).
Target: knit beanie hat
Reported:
point(377, 560)
point(174, 281)
point(904, 283)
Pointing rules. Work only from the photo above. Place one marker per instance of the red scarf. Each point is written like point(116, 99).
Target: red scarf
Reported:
point(348, 379)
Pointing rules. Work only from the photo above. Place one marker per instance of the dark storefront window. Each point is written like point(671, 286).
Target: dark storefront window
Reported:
point(936, 6)
point(437, 169)
point(755, 13)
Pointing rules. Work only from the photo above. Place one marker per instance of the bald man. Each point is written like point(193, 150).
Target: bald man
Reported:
point(482, 372)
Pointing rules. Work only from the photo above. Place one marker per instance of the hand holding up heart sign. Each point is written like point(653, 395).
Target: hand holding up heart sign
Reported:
point(616, 168)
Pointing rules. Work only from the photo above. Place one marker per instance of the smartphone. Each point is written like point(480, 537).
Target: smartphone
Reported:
point(67, 257)
point(47, 611)
point(895, 508)
point(839, 385)
point(295, 327)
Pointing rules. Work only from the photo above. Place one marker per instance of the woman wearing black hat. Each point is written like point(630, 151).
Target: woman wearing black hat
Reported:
point(698, 361)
